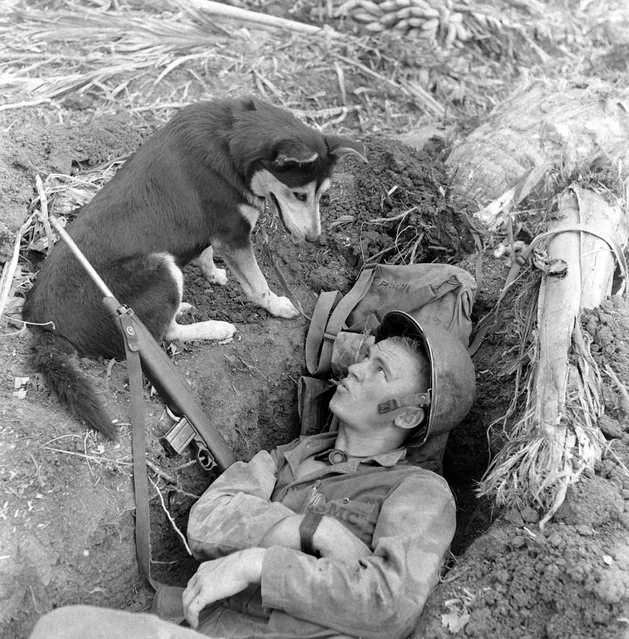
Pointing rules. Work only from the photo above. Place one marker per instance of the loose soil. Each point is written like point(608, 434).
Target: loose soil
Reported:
point(66, 501)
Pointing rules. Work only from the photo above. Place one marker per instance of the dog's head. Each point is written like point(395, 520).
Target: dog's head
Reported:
point(293, 166)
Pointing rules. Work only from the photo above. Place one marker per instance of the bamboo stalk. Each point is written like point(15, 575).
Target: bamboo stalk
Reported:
point(558, 437)
point(236, 13)
point(557, 311)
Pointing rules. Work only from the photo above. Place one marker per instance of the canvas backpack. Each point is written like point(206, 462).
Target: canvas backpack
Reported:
point(342, 328)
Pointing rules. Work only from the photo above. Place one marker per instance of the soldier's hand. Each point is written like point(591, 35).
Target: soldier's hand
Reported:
point(220, 578)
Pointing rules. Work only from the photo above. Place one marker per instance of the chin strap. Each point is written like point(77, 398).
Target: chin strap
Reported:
point(419, 400)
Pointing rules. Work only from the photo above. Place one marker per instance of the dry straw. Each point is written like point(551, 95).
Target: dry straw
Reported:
point(124, 53)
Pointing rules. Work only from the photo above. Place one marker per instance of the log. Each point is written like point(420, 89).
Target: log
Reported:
point(558, 437)
point(543, 126)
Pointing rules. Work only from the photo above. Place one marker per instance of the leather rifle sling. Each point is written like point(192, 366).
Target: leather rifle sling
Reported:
point(167, 602)
point(140, 478)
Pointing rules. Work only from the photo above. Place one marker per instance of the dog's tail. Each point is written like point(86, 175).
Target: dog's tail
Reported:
point(52, 357)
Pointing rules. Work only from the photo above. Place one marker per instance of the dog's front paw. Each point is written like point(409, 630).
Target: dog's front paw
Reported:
point(222, 331)
point(210, 329)
point(281, 307)
point(217, 276)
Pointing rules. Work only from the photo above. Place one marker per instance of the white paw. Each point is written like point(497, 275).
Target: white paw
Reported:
point(211, 329)
point(281, 307)
point(224, 331)
point(184, 308)
point(217, 276)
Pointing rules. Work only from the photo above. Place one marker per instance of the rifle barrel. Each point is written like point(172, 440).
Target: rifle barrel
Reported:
point(79, 256)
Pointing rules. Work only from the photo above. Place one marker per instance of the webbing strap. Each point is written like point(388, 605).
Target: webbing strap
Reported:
point(323, 332)
point(316, 330)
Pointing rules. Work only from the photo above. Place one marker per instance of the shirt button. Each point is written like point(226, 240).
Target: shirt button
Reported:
point(337, 457)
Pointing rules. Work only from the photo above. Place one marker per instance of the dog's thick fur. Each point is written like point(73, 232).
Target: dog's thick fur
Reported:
point(194, 188)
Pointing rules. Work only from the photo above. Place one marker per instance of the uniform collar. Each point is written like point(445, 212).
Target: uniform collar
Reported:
point(318, 445)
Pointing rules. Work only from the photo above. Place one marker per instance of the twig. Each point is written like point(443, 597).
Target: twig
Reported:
point(87, 460)
point(228, 11)
point(187, 464)
point(386, 220)
point(110, 365)
point(42, 483)
point(185, 493)
point(8, 272)
point(43, 207)
point(251, 367)
point(94, 458)
point(621, 387)
point(170, 518)
point(23, 105)
point(158, 471)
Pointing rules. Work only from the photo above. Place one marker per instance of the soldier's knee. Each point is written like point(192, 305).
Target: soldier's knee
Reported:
point(69, 622)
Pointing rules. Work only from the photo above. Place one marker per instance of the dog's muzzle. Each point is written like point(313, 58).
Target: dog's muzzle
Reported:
point(297, 237)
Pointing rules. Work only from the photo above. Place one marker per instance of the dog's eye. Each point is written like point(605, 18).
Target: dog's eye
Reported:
point(302, 197)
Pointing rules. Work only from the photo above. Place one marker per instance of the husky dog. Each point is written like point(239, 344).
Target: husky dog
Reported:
point(192, 190)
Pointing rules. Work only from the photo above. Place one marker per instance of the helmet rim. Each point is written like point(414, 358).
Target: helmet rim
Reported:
point(445, 412)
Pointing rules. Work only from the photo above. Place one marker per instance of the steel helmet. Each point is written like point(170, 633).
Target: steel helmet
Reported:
point(452, 378)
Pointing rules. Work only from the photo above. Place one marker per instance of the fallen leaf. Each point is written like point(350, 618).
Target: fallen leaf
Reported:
point(454, 622)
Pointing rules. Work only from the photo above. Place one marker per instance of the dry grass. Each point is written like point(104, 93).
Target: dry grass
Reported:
point(137, 57)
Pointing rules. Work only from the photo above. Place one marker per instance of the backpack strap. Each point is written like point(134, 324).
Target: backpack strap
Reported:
point(323, 331)
point(316, 330)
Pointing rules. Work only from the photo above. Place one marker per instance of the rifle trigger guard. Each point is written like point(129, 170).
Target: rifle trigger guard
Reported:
point(129, 331)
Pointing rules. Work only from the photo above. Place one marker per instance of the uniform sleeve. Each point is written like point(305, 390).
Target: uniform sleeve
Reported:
point(381, 595)
point(235, 512)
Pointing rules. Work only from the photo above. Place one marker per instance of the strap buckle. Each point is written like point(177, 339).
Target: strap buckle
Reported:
point(418, 399)
point(128, 330)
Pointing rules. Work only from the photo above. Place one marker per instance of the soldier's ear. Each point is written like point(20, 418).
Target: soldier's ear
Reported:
point(339, 146)
point(410, 417)
point(293, 151)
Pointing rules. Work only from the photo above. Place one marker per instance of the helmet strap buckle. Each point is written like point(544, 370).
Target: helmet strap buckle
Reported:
point(420, 400)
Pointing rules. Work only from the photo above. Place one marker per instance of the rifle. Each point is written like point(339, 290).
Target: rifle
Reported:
point(193, 427)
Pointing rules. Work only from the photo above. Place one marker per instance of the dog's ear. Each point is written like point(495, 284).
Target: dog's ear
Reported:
point(291, 151)
point(339, 146)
